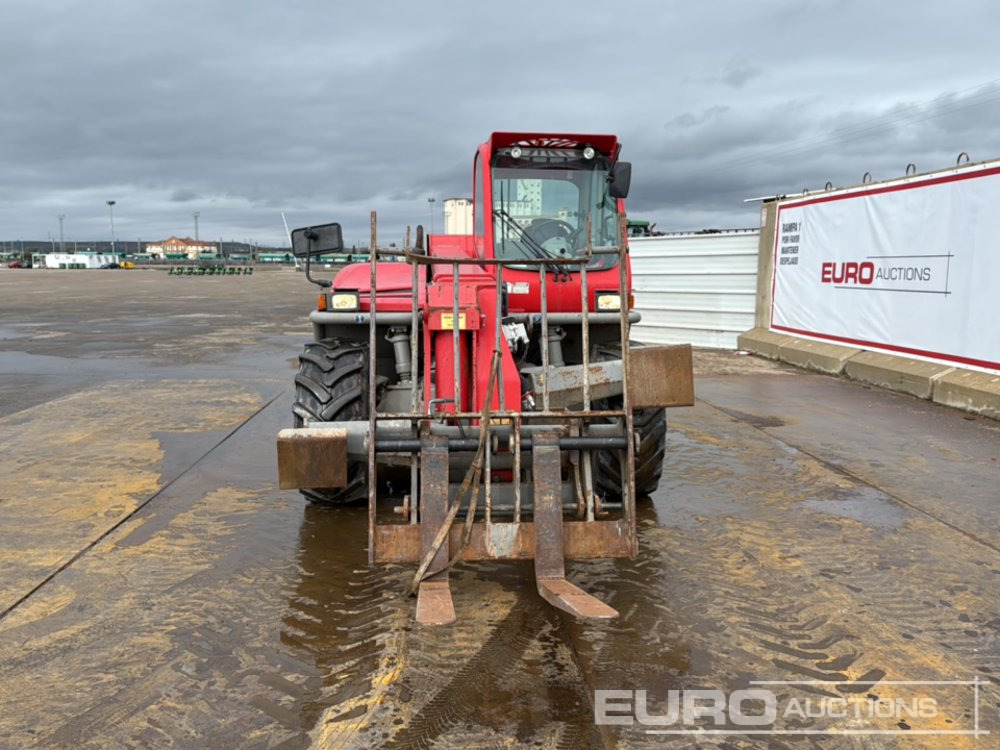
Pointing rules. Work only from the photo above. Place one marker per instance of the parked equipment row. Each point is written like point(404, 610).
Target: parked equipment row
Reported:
point(210, 270)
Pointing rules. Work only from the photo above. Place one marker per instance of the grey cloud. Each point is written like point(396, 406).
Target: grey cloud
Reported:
point(738, 75)
point(242, 110)
point(735, 73)
point(183, 196)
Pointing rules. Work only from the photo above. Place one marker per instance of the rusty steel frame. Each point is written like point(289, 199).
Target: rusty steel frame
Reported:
point(516, 539)
point(400, 542)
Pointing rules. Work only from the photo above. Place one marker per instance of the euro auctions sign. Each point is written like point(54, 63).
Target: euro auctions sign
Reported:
point(910, 267)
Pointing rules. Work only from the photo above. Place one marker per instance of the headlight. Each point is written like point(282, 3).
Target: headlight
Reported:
point(515, 152)
point(608, 302)
point(588, 152)
point(344, 301)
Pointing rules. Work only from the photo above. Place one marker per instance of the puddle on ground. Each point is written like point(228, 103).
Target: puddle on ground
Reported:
point(865, 504)
point(753, 419)
point(705, 488)
point(8, 332)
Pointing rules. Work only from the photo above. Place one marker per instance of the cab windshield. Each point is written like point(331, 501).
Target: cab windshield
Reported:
point(540, 210)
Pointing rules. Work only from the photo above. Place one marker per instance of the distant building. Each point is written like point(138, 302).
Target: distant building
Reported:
point(458, 216)
point(177, 246)
point(73, 260)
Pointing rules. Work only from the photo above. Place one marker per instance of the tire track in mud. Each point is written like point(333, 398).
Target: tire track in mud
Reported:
point(767, 589)
point(335, 651)
point(354, 635)
point(889, 577)
point(216, 662)
point(120, 522)
point(701, 630)
point(229, 667)
point(501, 676)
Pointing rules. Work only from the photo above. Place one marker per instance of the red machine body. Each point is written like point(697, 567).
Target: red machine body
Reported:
point(477, 300)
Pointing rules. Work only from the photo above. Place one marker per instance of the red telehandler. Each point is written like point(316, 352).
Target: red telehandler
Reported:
point(491, 375)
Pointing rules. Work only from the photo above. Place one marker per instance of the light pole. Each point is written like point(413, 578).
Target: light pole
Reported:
point(62, 240)
point(111, 208)
point(430, 207)
point(196, 213)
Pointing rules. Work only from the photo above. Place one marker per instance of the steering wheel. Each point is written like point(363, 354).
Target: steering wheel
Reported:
point(543, 230)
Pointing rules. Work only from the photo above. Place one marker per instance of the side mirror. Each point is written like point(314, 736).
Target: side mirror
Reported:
point(318, 240)
point(619, 179)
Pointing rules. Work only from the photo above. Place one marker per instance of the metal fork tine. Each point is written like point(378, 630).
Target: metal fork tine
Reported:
point(455, 338)
point(544, 341)
point(496, 334)
point(516, 426)
point(372, 303)
point(585, 321)
point(628, 486)
point(550, 568)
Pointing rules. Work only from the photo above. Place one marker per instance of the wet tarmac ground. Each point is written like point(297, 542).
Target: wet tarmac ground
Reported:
point(157, 590)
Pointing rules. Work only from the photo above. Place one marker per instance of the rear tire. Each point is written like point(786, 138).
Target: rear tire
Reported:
point(332, 386)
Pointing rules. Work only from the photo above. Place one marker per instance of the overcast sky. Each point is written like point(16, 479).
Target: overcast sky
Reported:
point(325, 110)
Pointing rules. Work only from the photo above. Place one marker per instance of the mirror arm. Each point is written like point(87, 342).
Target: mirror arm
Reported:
point(321, 283)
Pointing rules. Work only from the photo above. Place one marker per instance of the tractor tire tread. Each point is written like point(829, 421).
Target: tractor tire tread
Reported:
point(332, 386)
point(651, 426)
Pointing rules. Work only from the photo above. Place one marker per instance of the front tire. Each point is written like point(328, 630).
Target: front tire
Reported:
point(651, 427)
point(332, 386)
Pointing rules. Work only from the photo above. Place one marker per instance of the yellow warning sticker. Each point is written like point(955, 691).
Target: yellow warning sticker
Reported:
point(448, 322)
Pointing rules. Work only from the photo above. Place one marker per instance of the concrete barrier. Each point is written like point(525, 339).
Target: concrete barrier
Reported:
point(763, 342)
point(815, 355)
point(977, 392)
point(969, 390)
point(902, 374)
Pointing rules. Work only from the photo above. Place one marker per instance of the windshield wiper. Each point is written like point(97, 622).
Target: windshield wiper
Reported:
point(528, 242)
